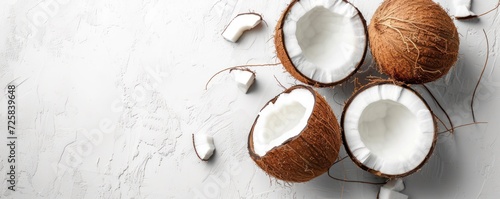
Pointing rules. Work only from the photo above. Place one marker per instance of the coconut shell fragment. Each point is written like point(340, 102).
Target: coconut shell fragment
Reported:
point(307, 155)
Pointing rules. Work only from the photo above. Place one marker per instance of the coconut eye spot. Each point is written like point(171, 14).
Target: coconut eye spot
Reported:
point(389, 130)
point(326, 41)
point(282, 120)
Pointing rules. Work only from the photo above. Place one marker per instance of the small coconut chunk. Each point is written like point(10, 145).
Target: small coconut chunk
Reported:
point(462, 8)
point(244, 79)
point(240, 24)
point(282, 120)
point(203, 146)
point(395, 185)
point(386, 193)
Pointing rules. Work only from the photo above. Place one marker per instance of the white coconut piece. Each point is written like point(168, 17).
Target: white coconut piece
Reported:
point(386, 193)
point(244, 79)
point(395, 185)
point(325, 39)
point(389, 130)
point(462, 8)
point(203, 146)
point(282, 120)
point(240, 24)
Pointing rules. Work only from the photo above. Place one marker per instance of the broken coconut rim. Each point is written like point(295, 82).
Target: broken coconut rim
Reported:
point(369, 134)
point(298, 50)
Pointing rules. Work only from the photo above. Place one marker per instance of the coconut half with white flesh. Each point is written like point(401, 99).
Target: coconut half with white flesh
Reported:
point(296, 136)
point(321, 42)
point(388, 129)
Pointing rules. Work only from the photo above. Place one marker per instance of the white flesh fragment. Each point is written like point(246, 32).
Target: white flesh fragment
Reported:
point(390, 194)
point(389, 128)
point(325, 39)
point(462, 8)
point(284, 119)
point(244, 79)
point(395, 185)
point(204, 145)
point(240, 24)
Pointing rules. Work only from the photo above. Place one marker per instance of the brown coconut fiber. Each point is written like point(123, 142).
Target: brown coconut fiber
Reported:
point(413, 41)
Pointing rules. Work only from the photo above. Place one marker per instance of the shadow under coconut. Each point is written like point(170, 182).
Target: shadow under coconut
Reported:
point(450, 165)
point(330, 188)
point(338, 96)
point(437, 177)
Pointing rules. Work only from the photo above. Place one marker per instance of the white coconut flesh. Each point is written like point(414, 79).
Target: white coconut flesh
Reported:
point(282, 120)
point(389, 129)
point(240, 24)
point(462, 8)
point(386, 193)
point(325, 39)
point(204, 145)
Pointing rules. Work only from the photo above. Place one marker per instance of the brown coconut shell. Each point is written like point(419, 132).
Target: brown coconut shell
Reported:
point(310, 153)
point(282, 53)
point(413, 41)
point(359, 163)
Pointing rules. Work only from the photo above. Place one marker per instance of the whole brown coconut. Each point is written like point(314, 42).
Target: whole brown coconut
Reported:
point(310, 153)
point(413, 41)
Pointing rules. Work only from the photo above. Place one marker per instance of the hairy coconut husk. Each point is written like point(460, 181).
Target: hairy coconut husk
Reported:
point(282, 54)
point(413, 41)
point(307, 155)
point(348, 149)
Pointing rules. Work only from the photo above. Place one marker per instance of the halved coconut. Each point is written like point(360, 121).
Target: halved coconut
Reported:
point(296, 136)
point(321, 42)
point(388, 129)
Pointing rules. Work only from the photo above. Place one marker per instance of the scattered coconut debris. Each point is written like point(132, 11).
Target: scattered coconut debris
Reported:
point(395, 185)
point(239, 68)
point(386, 193)
point(462, 9)
point(203, 146)
point(241, 23)
point(244, 79)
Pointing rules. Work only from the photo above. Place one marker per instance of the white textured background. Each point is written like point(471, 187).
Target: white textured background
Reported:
point(110, 91)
